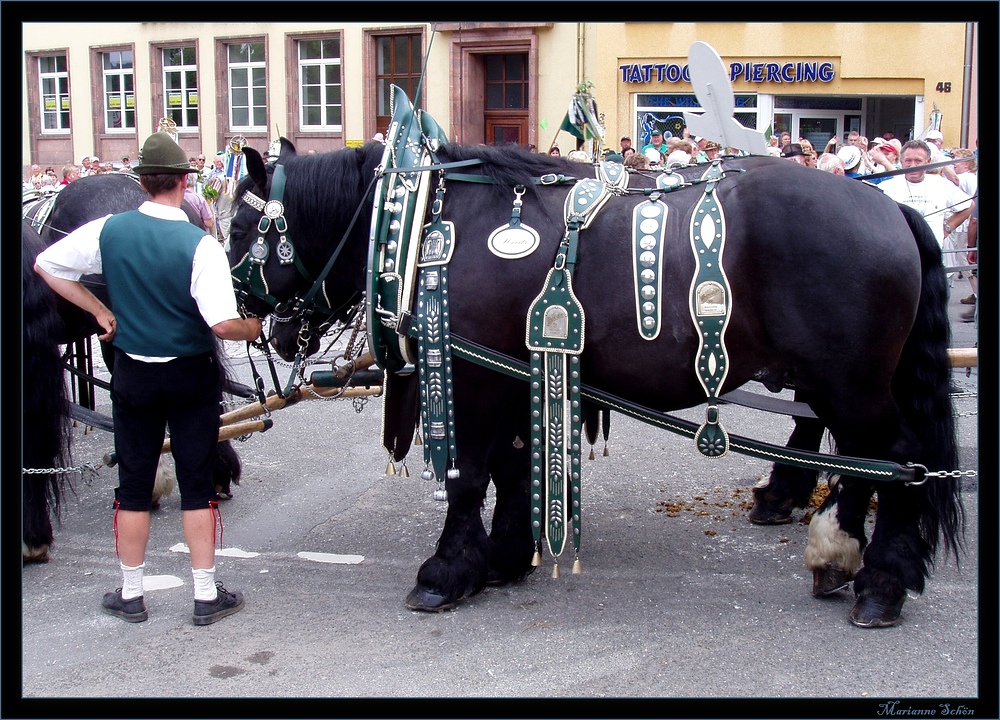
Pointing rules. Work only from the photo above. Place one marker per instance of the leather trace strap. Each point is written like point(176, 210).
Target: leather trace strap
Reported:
point(874, 470)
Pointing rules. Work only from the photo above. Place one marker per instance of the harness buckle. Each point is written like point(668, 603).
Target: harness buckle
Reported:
point(548, 179)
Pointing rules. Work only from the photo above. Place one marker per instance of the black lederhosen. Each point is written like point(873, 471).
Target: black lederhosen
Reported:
point(182, 394)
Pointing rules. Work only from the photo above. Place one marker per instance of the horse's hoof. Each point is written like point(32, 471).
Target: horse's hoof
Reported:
point(427, 601)
point(830, 580)
point(763, 515)
point(495, 579)
point(39, 554)
point(871, 612)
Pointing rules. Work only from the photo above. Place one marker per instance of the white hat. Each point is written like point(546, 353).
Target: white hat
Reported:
point(933, 135)
point(653, 155)
point(94, 158)
point(851, 156)
point(678, 158)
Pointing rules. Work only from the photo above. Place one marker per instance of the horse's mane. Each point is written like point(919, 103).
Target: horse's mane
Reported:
point(510, 165)
point(330, 186)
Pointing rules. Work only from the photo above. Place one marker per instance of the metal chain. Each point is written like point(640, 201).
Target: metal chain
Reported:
point(952, 473)
point(86, 470)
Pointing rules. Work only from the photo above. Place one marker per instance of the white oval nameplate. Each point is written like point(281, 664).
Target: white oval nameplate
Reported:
point(512, 243)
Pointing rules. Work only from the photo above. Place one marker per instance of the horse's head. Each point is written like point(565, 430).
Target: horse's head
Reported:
point(289, 219)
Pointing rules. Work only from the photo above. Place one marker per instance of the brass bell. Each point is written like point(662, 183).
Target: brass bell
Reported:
point(555, 571)
point(536, 559)
point(390, 469)
point(577, 567)
point(403, 472)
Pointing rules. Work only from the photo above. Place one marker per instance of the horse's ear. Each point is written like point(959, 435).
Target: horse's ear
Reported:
point(287, 150)
point(255, 167)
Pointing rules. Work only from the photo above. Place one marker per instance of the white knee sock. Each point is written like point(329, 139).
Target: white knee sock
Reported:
point(204, 583)
point(131, 581)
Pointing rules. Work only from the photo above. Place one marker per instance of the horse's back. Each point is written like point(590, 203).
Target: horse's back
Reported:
point(810, 259)
point(90, 198)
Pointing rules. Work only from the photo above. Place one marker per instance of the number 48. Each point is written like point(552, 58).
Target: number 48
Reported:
point(944, 87)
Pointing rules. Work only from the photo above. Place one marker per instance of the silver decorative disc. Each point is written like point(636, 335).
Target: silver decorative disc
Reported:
point(274, 209)
point(258, 250)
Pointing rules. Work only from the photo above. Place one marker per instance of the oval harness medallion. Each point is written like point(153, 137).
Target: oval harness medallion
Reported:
point(512, 243)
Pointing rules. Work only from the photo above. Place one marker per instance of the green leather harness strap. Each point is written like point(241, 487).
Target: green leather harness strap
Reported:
point(554, 336)
point(875, 470)
point(437, 407)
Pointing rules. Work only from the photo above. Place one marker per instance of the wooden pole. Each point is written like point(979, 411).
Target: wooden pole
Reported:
point(964, 357)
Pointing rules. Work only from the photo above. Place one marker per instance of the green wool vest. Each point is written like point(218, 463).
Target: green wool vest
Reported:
point(147, 266)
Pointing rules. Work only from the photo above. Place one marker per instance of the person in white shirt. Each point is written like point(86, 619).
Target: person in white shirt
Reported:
point(172, 295)
point(944, 206)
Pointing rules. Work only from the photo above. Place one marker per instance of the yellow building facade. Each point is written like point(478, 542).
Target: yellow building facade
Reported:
point(101, 88)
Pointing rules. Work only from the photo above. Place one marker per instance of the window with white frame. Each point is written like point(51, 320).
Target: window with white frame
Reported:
point(180, 87)
point(247, 86)
point(53, 80)
point(119, 91)
point(320, 87)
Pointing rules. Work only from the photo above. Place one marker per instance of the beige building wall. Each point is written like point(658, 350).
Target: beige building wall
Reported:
point(568, 54)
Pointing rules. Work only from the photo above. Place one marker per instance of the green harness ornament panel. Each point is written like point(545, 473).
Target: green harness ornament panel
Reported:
point(400, 204)
point(434, 351)
point(710, 306)
point(649, 224)
point(555, 336)
point(613, 175)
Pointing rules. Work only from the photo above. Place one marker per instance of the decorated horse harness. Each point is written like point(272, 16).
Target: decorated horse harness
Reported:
point(407, 300)
point(408, 268)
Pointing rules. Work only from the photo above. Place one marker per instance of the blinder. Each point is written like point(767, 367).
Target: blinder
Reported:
point(248, 275)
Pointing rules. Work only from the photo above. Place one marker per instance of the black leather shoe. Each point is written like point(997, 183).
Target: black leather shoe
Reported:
point(132, 611)
point(226, 603)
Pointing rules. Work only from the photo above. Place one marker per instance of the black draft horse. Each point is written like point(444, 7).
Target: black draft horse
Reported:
point(809, 284)
point(50, 321)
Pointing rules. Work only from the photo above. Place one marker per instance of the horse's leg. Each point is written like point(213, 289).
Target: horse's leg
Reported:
point(459, 566)
point(788, 488)
point(837, 535)
point(511, 545)
point(36, 534)
point(896, 557)
point(228, 469)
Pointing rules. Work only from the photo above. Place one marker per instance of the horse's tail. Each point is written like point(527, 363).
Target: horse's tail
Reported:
point(922, 389)
point(44, 398)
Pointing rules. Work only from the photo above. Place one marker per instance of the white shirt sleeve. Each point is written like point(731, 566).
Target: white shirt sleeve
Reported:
point(212, 283)
point(959, 199)
point(77, 254)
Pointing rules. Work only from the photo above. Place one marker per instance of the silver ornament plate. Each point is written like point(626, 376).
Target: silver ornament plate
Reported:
point(512, 243)
point(274, 209)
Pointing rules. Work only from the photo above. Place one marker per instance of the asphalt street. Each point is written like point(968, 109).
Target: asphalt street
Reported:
point(683, 608)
